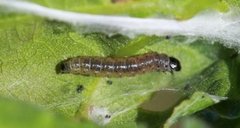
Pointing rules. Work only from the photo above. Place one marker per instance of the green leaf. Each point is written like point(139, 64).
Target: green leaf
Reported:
point(198, 101)
point(226, 113)
point(31, 47)
point(15, 114)
point(213, 80)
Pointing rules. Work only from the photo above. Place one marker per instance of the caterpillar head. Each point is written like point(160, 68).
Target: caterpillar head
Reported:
point(61, 68)
point(174, 64)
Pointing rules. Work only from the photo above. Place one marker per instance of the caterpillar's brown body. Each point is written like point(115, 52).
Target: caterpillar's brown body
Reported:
point(119, 66)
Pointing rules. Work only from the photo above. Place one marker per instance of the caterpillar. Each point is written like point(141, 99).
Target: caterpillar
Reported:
point(118, 66)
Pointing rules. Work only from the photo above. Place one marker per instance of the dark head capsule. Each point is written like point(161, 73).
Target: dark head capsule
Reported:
point(174, 64)
point(61, 67)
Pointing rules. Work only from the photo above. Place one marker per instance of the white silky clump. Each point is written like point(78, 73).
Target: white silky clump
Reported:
point(210, 25)
point(99, 115)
